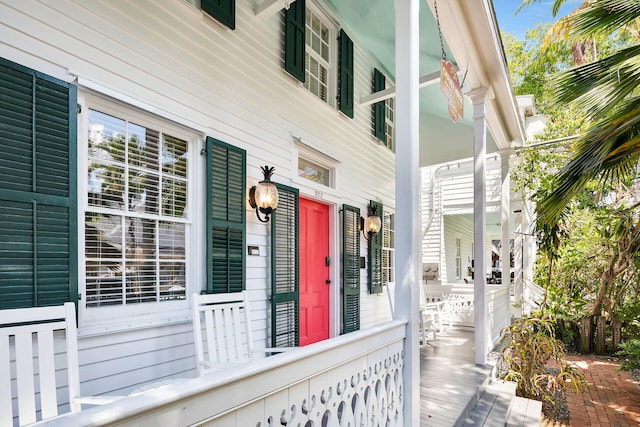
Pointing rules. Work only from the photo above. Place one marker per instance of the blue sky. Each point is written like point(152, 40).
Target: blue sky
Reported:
point(528, 17)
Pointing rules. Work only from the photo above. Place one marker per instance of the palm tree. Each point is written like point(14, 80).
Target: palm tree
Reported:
point(608, 92)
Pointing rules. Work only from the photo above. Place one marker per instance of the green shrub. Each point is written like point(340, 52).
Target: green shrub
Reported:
point(631, 351)
point(529, 344)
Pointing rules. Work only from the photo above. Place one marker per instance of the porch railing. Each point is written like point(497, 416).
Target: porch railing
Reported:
point(460, 298)
point(354, 379)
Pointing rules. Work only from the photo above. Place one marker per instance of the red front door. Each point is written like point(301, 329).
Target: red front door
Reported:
point(314, 271)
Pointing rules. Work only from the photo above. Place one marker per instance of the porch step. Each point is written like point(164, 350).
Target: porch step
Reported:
point(493, 407)
point(525, 413)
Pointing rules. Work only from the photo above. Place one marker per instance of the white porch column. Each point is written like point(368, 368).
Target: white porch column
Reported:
point(505, 251)
point(477, 97)
point(518, 251)
point(408, 199)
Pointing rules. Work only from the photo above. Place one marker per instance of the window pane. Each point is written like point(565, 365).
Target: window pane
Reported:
point(143, 191)
point(174, 156)
point(313, 172)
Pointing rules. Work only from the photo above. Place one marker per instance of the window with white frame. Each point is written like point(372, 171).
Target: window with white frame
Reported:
point(388, 248)
point(458, 258)
point(136, 206)
point(389, 120)
point(318, 42)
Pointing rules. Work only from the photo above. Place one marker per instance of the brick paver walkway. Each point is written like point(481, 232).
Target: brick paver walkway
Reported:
point(611, 399)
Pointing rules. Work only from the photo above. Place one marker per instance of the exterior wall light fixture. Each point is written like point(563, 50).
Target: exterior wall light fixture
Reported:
point(264, 196)
point(370, 226)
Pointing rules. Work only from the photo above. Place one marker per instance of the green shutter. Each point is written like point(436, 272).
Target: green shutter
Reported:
point(375, 254)
point(224, 11)
point(38, 195)
point(294, 42)
point(285, 273)
point(379, 128)
point(226, 231)
point(345, 74)
point(350, 269)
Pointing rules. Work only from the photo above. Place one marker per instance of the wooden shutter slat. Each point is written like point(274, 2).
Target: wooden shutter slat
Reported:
point(294, 39)
point(350, 269)
point(226, 236)
point(285, 274)
point(379, 128)
point(345, 74)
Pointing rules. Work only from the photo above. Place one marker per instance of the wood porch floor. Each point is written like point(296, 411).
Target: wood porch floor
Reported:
point(449, 378)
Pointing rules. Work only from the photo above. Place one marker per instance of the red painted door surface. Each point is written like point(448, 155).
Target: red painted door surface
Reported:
point(314, 271)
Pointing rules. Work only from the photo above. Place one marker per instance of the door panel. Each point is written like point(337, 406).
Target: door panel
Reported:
point(314, 271)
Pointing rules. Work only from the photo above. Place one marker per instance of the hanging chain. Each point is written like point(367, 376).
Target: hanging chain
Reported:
point(435, 7)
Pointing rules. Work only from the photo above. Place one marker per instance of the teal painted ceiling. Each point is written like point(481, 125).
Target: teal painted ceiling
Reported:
point(372, 23)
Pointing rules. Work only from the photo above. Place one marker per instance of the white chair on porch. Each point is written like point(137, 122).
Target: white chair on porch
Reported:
point(427, 317)
point(222, 329)
point(30, 359)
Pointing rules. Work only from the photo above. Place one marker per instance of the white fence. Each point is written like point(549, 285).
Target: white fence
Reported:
point(354, 379)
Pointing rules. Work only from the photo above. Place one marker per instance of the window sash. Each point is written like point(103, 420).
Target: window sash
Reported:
point(135, 250)
point(318, 54)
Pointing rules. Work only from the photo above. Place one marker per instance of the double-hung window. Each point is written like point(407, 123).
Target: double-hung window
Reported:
point(136, 208)
point(389, 120)
point(318, 57)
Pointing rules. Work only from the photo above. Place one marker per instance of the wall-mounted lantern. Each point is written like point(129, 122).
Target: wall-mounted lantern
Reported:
point(264, 196)
point(370, 226)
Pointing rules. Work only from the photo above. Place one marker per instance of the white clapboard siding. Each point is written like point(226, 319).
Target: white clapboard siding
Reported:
point(447, 191)
point(227, 84)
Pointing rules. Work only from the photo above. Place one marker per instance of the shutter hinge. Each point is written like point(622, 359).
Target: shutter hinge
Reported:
point(203, 152)
point(79, 297)
point(79, 109)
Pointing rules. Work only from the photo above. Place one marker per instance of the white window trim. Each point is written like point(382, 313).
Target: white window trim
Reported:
point(98, 320)
point(319, 191)
point(332, 78)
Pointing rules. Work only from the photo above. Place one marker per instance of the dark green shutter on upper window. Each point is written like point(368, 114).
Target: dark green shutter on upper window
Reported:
point(38, 195)
point(285, 273)
point(224, 11)
point(294, 41)
point(226, 233)
point(375, 255)
point(350, 269)
point(379, 125)
point(345, 74)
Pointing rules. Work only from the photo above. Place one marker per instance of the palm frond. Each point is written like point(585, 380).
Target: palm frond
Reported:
point(604, 17)
point(609, 151)
point(599, 86)
point(557, 4)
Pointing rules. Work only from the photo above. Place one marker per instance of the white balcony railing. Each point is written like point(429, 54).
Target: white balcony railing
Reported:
point(460, 298)
point(354, 379)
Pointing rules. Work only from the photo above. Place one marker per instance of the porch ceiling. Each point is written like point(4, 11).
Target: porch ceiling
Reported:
point(372, 23)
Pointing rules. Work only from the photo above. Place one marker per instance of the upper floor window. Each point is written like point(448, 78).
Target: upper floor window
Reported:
point(389, 120)
point(136, 211)
point(318, 50)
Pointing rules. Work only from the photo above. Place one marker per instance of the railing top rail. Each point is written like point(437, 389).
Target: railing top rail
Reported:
point(288, 368)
